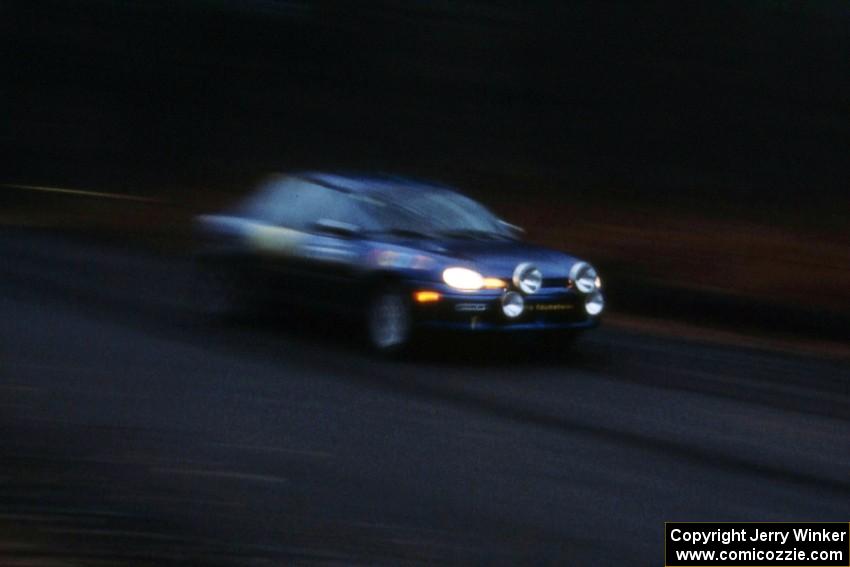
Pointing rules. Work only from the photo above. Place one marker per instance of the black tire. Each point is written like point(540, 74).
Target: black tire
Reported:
point(389, 320)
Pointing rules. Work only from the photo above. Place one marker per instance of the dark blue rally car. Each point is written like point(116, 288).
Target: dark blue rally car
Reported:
point(399, 255)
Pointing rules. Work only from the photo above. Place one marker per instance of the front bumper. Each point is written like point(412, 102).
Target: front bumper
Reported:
point(481, 311)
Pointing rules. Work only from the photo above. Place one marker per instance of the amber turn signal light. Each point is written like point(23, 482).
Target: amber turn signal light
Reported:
point(426, 296)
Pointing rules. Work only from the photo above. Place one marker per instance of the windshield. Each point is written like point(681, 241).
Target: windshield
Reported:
point(437, 213)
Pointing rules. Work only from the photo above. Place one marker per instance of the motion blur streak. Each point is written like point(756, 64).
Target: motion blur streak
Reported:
point(83, 193)
point(695, 153)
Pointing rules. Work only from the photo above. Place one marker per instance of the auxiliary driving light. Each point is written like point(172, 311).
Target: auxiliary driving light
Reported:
point(585, 277)
point(512, 304)
point(527, 278)
point(595, 303)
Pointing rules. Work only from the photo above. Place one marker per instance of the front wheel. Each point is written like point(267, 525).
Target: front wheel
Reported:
point(389, 320)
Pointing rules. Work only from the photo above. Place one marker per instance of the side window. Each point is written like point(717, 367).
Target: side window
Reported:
point(297, 203)
point(275, 201)
point(306, 204)
point(289, 202)
point(349, 209)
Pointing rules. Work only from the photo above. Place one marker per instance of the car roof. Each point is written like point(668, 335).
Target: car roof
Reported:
point(377, 185)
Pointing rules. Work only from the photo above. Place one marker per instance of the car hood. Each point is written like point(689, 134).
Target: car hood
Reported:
point(500, 258)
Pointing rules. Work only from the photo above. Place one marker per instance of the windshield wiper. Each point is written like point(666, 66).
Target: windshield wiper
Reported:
point(474, 233)
point(403, 232)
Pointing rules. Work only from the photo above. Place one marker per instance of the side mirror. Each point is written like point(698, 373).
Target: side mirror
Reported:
point(336, 228)
point(515, 229)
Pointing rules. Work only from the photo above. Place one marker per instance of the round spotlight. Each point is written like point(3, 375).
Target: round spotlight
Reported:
point(512, 304)
point(584, 275)
point(595, 303)
point(527, 278)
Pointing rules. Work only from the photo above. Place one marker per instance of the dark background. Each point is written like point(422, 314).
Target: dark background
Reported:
point(737, 105)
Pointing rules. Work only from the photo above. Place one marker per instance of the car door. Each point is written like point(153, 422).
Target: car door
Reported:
point(280, 216)
point(333, 252)
point(307, 242)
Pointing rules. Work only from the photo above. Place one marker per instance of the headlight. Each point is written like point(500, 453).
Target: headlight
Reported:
point(595, 303)
point(584, 275)
point(463, 278)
